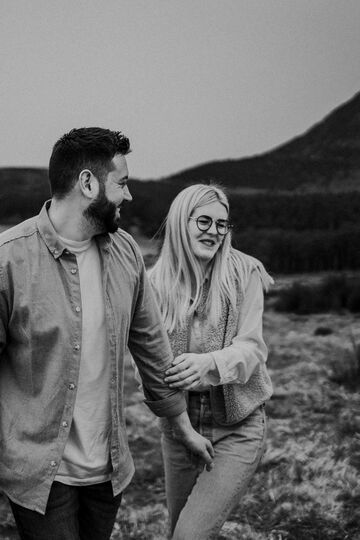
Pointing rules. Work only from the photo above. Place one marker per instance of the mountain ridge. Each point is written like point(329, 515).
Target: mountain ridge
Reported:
point(325, 157)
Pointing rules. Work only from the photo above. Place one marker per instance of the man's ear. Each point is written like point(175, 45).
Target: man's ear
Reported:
point(89, 185)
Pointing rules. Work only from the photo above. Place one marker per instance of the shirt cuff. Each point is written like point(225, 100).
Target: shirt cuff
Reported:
point(213, 377)
point(223, 374)
point(170, 406)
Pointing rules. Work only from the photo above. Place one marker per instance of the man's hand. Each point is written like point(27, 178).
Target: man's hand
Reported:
point(196, 443)
point(189, 370)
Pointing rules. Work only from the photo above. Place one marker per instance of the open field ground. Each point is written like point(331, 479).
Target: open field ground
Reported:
point(308, 485)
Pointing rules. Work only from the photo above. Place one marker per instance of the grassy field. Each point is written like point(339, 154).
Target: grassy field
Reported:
point(308, 485)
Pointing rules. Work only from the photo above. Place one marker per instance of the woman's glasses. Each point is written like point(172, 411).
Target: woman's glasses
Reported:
point(204, 223)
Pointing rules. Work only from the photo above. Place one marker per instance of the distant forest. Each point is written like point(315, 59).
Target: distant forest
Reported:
point(289, 232)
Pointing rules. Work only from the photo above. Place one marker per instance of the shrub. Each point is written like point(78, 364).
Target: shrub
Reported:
point(345, 371)
point(323, 331)
point(333, 294)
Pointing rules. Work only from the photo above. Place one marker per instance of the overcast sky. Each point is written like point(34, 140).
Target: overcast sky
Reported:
point(188, 81)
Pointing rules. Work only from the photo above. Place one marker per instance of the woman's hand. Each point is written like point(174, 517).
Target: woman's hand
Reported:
point(189, 370)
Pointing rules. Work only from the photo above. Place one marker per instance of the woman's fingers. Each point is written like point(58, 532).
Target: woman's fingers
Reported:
point(179, 359)
point(186, 372)
point(185, 367)
point(183, 380)
point(177, 375)
point(192, 385)
point(178, 366)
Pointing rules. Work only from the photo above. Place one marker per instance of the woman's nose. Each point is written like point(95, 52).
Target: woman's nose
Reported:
point(212, 229)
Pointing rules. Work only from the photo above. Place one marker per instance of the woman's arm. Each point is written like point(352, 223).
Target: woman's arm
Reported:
point(235, 363)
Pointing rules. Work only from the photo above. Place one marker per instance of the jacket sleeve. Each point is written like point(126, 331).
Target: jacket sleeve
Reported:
point(150, 349)
point(237, 362)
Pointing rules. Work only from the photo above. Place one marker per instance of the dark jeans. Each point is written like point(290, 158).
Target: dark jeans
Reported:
point(72, 513)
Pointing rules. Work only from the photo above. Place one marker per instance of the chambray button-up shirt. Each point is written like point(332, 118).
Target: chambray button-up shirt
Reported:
point(40, 341)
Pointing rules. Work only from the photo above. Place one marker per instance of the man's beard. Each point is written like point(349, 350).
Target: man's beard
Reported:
point(102, 213)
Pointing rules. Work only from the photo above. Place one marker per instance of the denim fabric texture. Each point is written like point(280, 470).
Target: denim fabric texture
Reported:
point(199, 501)
point(40, 343)
point(72, 513)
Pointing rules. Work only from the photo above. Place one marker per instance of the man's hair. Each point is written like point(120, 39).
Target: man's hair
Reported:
point(90, 148)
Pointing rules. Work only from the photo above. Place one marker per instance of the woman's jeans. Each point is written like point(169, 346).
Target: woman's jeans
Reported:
point(72, 513)
point(199, 501)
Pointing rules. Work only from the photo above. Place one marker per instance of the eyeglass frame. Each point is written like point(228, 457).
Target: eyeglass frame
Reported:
point(211, 221)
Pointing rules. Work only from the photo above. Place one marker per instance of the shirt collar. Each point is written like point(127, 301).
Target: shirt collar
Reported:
point(51, 237)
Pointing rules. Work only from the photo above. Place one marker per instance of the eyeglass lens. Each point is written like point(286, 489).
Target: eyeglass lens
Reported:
point(205, 222)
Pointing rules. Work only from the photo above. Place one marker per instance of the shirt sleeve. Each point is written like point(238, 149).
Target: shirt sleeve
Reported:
point(237, 362)
point(3, 313)
point(150, 349)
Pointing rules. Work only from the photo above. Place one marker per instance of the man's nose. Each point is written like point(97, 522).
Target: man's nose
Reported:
point(127, 194)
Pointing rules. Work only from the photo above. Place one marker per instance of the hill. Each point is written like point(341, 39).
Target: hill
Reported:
point(296, 207)
point(325, 158)
point(22, 192)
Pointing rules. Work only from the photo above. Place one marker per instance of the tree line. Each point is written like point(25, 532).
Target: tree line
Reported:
point(291, 233)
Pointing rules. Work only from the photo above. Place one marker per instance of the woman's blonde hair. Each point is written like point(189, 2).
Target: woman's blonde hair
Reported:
point(177, 276)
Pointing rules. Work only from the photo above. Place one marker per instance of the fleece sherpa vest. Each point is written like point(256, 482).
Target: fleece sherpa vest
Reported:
point(230, 403)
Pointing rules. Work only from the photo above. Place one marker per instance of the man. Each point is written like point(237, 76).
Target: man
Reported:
point(73, 296)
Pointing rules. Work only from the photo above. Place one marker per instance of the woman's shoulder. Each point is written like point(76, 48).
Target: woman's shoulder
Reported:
point(245, 265)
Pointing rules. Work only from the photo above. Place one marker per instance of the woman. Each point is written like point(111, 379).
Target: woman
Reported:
point(211, 300)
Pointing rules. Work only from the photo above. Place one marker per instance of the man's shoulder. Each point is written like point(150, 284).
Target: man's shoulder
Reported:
point(123, 238)
point(23, 230)
point(125, 243)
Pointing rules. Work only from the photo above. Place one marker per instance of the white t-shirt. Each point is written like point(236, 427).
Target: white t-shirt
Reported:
point(86, 458)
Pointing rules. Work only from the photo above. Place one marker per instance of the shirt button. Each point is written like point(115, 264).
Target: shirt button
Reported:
point(77, 309)
point(71, 386)
point(77, 347)
point(53, 463)
point(73, 270)
point(64, 424)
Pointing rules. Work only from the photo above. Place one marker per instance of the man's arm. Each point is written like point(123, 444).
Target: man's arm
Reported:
point(4, 315)
point(150, 348)
point(195, 442)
